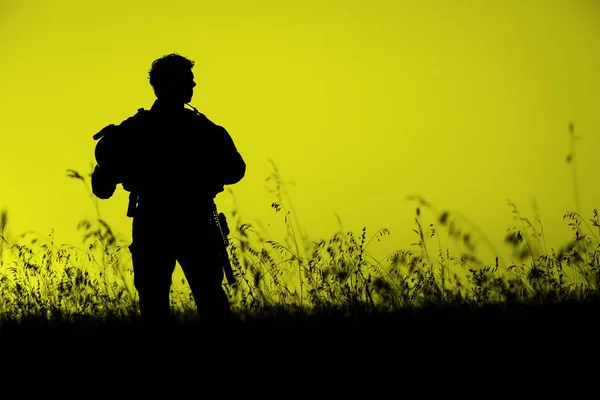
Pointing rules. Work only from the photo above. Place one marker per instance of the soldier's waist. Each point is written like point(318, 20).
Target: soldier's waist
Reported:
point(176, 201)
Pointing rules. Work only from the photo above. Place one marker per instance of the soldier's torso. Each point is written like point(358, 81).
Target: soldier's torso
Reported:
point(171, 157)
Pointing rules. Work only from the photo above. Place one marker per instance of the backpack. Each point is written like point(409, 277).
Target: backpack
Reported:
point(113, 153)
point(114, 150)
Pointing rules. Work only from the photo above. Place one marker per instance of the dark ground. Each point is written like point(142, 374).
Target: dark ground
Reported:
point(452, 351)
point(435, 327)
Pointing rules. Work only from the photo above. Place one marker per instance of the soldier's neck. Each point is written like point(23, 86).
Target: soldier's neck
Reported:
point(165, 105)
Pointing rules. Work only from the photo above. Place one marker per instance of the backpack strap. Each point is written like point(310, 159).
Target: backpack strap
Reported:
point(104, 131)
point(111, 128)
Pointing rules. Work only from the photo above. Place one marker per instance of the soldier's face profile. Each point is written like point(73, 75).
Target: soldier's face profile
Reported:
point(180, 88)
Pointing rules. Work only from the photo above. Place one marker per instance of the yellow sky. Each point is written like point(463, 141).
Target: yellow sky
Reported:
point(360, 103)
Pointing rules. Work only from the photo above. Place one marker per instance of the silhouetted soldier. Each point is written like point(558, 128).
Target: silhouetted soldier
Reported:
point(173, 161)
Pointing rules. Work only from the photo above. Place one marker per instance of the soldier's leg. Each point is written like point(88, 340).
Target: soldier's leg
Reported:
point(153, 265)
point(204, 274)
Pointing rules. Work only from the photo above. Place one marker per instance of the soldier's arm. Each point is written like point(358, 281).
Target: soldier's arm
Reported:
point(232, 166)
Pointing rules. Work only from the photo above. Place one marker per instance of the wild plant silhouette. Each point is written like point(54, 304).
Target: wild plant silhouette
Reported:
point(47, 284)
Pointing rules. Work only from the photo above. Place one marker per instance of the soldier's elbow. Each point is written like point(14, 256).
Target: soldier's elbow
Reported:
point(241, 170)
point(237, 172)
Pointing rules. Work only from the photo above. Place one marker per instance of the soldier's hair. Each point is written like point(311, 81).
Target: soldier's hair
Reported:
point(164, 68)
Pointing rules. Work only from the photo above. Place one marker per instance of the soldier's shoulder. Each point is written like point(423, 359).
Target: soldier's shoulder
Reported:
point(140, 116)
point(199, 118)
point(140, 113)
point(195, 114)
point(130, 122)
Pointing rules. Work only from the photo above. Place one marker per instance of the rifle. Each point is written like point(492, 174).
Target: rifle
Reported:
point(219, 221)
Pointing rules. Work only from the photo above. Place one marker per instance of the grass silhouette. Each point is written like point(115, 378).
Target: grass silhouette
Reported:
point(58, 290)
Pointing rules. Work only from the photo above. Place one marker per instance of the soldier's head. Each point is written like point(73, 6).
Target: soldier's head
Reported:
point(172, 78)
